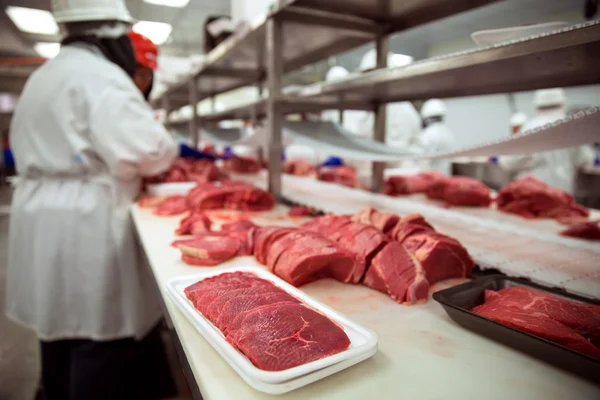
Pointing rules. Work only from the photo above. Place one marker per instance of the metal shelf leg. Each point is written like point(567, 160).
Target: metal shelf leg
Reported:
point(274, 114)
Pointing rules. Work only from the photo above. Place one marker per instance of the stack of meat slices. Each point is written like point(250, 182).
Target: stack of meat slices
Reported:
point(274, 330)
point(342, 174)
point(300, 257)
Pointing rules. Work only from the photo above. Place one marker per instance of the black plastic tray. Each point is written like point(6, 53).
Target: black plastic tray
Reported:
point(459, 300)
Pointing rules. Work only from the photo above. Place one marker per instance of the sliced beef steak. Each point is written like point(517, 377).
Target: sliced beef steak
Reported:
point(398, 273)
point(538, 324)
point(238, 306)
point(409, 184)
point(283, 336)
point(584, 318)
point(208, 249)
point(195, 223)
point(460, 191)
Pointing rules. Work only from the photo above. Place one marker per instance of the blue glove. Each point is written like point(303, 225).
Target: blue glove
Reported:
point(227, 153)
point(333, 162)
point(186, 151)
point(9, 161)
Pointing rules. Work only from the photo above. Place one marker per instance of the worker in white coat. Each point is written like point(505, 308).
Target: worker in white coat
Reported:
point(403, 124)
point(558, 167)
point(437, 136)
point(83, 136)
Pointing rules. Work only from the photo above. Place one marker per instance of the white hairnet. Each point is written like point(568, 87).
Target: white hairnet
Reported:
point(369, 60)
point(518, 119)
point(336, 73)
point(433, 108)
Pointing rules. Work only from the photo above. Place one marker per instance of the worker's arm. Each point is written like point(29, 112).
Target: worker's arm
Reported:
point(127, 136)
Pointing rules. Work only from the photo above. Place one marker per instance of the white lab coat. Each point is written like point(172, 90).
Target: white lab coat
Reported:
point(403, 128)
point(558, 167)
point(82, 136)
point(437, 138)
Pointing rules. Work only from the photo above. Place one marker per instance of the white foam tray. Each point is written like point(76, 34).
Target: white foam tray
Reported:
point(170, 189)
point(363, 341)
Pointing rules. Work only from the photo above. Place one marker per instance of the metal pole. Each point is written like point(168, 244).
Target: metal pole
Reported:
point(274, 114)
point(377, 182)
point(193, 126)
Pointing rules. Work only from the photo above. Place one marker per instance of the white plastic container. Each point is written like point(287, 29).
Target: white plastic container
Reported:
point(363, 341)
point(170, 189)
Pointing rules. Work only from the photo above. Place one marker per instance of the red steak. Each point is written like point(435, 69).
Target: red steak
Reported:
point(539, 324)
point(396, 272)
point(283, 336)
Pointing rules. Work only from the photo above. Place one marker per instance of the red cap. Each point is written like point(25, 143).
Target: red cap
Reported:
point(146, 52)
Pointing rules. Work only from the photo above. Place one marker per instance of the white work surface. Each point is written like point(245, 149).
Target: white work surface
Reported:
point(422, 353)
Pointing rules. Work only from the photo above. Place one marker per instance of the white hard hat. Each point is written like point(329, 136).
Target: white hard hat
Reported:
point(518, 119)
point(65, 11)
point(336, 73)
point(369, 60)
point(433, 108)
point(549, 97)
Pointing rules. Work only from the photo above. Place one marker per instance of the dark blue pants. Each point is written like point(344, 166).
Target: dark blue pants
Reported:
point(117, 369)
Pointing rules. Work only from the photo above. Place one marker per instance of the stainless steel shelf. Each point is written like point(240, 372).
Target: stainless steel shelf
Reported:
point(395, 14)
point(568, 57)
point(312, 30)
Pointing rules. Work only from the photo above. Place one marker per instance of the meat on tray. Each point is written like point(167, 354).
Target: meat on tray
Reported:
point(531, 198)
point(189, 170)
point(242, 165)
point(565, 322)
point(410, 184)
point(302, 212)
point(231, 196)
point(171, 205)
point(273, 329)
point(460, 191)
point(299, 168)
point(342, 174)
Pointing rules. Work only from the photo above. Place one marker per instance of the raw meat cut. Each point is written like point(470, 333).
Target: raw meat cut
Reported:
point(241, 225)
point(208, 249)
point(302, 212)
point(384, 222)
point(263, 237)
point(195, 223)
point(299, 168)
point(409, 184)
point(238, 306)
point(410, 225)
point(151, 201)
point(583, 230)
point(283, 336)
point(274, 330)
point(363, 241)
point(441, 256)
point(531, 198)
point(538, 324)
point(460, 191)
point(313, 257)
point(584, 318)
point(343, 175)
point(189, 170)
point(172, 205)
point(242, 165)
point(230, 195)
point(398, 273)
